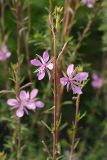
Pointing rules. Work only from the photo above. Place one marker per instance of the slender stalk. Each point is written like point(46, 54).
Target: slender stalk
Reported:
point(54, 32)
point(28, 58)
point(2, 18)
point(67, 26)
point(18, 138)
point(26, 39)
point(18, 36)
point(75, 128)
point(70, 25)
point(55, 100)
point(60, 56)
point(51, 44)
point(5, 65)
point(59, 88)
point(66, 19)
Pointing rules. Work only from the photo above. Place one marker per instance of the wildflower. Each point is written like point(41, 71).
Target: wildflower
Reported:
point(44, 65)
point(89, 3)
point(97, 81)
point(73, 80)
point(4, 52)
point(24, 102)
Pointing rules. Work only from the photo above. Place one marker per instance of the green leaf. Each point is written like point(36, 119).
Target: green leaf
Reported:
point(46, 126)
point(66, 103)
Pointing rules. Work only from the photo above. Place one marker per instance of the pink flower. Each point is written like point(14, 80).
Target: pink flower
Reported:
point(73, 80)
point(97, 81)
point(24, 102)
point(4, 52)
point(44, 64)
point(89, 3)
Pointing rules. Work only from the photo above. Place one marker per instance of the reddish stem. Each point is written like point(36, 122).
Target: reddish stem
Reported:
point(55, 100)
point(54, 32)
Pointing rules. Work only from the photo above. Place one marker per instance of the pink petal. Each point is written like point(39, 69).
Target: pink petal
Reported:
point(90, 5)
point(19, 113)
point(4, 56)
point(33, 93)
point(41, 75)
point(85, 1)
point(1, 56)
point(31, 106)
point(50, 66)
point(27, 95)
point(76, 89)
point(39, 104)
point(45, 56)
point(4, 48)
point(70, 69)
point(23, 95)
point(81, 76)
point(95, 76)
point(12, 102)
point(8, 54)
point(97, 83)
point(36, 62)
point(63, 80)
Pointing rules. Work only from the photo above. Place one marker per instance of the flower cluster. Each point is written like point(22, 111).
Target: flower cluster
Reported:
point(27, 101)
point(44, 65)
point(89, 3)
point(73, 80)
point(24, 102)
point(97, 81)
point(4, 52)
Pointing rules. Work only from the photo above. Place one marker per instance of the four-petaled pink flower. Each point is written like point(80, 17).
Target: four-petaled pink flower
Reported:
point(97, 81)
point(4, 52)
point(44, 65)
point(73, 80)
point(24, 102)
point(89, 3)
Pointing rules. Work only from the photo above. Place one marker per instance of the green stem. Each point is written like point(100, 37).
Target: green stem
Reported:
point(55, 101)
point(18, 138)
point(75, 128)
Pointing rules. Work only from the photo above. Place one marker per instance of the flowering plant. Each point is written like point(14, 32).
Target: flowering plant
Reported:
point(24, 102)
point(73, 80)
point(4, 52)
point(44, 65)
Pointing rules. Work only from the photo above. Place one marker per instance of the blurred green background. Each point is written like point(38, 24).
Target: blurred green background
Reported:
point(92, 131)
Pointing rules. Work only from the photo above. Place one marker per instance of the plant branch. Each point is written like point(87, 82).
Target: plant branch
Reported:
point(26, 38)
point(17, 83)
point(67, 26)
point(59, 58)
point(66, 18)
point(85, 31)
point(75, 128)
point(54, 32)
